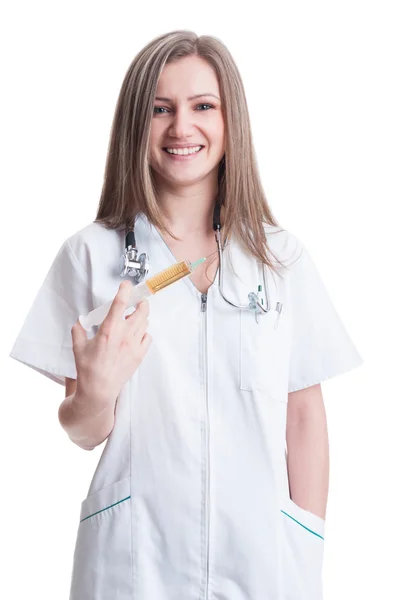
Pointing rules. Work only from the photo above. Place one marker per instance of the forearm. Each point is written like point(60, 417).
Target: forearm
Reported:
point(86, 422)
point(308, 458)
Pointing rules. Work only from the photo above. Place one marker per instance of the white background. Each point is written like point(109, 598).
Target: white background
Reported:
point(321, 83)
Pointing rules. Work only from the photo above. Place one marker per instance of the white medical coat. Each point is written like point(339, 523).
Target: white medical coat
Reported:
point(190, 498)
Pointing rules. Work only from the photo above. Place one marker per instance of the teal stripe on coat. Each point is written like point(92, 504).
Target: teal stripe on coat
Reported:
point(310, 530)
point(106, 508)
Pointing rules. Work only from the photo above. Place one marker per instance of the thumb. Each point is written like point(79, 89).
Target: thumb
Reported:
point(79, 334)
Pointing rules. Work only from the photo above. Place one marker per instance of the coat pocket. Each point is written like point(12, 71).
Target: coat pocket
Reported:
point(264, 351)
point(302, 552)
point(102, 558)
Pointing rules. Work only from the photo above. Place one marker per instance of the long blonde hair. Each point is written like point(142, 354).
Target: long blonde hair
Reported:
point(128, 187)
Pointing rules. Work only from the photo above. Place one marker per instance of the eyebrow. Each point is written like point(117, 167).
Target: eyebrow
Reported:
point(162, 99)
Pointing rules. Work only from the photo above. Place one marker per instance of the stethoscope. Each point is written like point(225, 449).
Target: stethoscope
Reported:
point(137, 267)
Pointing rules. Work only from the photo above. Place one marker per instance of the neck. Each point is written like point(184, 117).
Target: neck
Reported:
point(188, 210)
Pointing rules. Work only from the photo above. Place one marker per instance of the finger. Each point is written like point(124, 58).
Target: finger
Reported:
point(119, 304)
point(79, 334)
point(137, 329)
point(138, 316)
point(143, 307)
point(135, 323)
point(146, 342)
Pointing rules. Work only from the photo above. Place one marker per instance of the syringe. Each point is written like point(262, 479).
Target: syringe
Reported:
point(143, 290)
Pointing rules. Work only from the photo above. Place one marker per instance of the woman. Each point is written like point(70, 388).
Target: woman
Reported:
point(197, 396)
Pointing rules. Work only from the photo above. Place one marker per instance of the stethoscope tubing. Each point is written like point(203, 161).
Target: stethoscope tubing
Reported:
point(254, 303)
point(138, 269)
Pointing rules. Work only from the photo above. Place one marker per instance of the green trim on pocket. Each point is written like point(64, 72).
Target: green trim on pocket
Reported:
point(310, 530)
point(106, 508)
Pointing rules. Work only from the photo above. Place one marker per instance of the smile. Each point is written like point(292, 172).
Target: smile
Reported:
point(183, 151)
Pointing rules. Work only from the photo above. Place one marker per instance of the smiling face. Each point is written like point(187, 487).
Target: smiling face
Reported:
point(187, 129)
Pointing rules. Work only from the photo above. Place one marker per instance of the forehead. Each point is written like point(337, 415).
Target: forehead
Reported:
point(186, 77)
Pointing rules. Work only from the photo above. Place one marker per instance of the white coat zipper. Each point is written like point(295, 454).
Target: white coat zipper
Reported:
point(207, 506)
point(204, 302)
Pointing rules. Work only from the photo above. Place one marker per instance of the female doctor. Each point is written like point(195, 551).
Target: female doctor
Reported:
point(213, 481)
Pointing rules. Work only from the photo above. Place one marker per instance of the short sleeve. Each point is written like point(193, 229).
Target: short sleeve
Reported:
point(321, 347)
point(44, 342)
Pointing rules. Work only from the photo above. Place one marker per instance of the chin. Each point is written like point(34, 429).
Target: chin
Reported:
point(188, 179)
point(181, 177)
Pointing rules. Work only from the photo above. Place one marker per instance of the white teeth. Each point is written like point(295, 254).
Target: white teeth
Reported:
point(184, 151)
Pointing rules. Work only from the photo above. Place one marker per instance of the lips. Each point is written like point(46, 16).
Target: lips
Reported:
point(182, 147)
point(167, 148)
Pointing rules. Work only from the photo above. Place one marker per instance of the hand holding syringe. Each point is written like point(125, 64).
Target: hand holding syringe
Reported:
point(143, 290)
point(106, 362)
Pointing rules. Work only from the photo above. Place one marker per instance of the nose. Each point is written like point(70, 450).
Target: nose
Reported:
point(181, 124)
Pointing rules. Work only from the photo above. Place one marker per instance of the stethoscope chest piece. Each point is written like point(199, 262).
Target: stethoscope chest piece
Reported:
point(130, 263)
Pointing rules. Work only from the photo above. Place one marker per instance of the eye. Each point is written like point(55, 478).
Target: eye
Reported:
point(208, 105)
point(159, 108)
